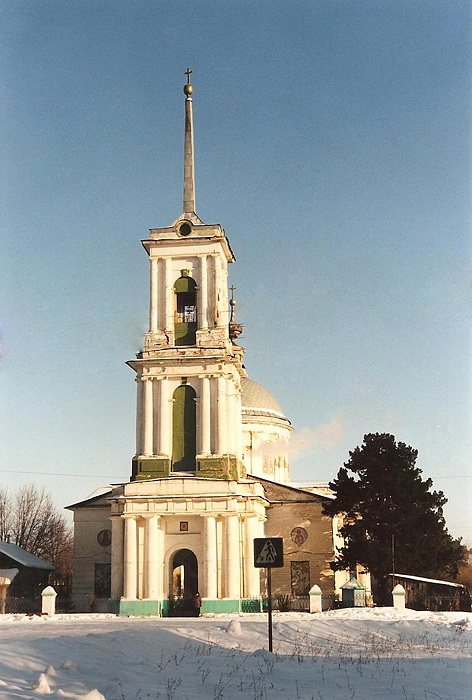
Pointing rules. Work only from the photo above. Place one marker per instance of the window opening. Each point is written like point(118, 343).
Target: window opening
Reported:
point(185, 310)
point(102, 580)
point(300, 577)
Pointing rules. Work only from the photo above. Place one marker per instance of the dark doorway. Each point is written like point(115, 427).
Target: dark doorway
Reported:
point(184, 575)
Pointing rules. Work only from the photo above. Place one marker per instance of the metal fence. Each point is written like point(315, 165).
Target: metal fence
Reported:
point(437, 603)
point(32, 606)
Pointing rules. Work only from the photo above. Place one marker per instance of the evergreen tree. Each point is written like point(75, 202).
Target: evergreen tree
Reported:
point(385, 501)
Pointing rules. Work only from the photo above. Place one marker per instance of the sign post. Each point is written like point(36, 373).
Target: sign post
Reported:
point(269, 554)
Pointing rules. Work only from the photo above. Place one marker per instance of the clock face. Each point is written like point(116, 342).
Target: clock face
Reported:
point(104, 538)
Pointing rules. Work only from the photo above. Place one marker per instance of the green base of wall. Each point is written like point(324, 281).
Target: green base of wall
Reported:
point(231, 606)
point(113, 606)
point(148, 608)
point(225, 467)
point(150, 468)
point(160, 608)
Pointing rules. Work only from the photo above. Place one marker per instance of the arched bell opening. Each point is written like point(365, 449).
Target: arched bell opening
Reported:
point(185, 325)
point(184, 575)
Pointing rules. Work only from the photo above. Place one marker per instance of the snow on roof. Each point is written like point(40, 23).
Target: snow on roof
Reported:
point(98, 492)
point(23, 557)
point(101, 491)
point(428, 580)
point(320, 488)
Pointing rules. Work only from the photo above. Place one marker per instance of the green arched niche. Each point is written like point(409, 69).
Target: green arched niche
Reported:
point(184, 429)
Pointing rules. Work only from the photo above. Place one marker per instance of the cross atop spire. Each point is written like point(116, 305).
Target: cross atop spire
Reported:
point(188, 72)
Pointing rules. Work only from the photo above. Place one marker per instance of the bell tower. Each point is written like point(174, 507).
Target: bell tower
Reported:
point(189, 374)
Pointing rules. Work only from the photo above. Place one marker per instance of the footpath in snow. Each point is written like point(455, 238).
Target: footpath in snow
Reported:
point(352, 654)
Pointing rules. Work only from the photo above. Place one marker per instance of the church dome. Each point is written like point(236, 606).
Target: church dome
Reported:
point(254, 395)
point(259, 404)
point(266, 433)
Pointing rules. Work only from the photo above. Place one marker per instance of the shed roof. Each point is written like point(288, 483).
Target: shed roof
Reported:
point(421, 579)
point(23, 557)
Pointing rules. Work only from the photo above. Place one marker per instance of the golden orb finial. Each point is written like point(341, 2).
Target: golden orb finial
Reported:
point(188, 89)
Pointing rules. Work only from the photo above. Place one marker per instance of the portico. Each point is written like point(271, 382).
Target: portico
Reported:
point(213, 519)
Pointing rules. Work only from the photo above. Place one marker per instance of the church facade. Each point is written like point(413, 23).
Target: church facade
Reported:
point(211, 469)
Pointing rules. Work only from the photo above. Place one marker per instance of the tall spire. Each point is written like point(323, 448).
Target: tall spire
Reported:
point(189, 164)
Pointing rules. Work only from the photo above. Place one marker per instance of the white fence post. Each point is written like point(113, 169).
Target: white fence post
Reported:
point(315, 599)
point(6, 577)
point(48, 601)
point(398, 594)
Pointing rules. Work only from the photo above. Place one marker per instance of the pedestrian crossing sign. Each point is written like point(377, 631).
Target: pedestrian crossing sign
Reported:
point(268, 552)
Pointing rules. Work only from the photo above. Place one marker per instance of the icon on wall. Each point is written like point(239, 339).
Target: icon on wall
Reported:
point(299, 535)
point(104, 538)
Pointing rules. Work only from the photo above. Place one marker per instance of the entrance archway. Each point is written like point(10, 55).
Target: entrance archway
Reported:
point(184, 574)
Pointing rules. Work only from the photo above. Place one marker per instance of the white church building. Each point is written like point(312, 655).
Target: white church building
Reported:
point(211, 469)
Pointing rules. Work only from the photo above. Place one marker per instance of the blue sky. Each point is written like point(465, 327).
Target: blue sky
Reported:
point(333, 145)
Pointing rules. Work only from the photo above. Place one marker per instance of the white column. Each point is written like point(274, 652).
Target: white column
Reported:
point(220, 308)
point(221, 292)
point(212, 291)
point(148, 417)
point(260, 528)
point(164, 418)
point(251, 574)
point(155, 416)
point(151, 557)
point(117, 527)
point(203, 317)
point(210, 588)
point(224, 295)
point(204, 417)
point(160, 561)
point(153, 294)
point(161, 294)
point(139, 415)
point(221, 439)
point(130, 568)
point(220, 318)
point(169, 304)
point(232, 583)
point(229, 417)
point(238, 423)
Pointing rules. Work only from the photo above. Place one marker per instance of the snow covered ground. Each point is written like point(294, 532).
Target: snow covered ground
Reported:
point(352, 654)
